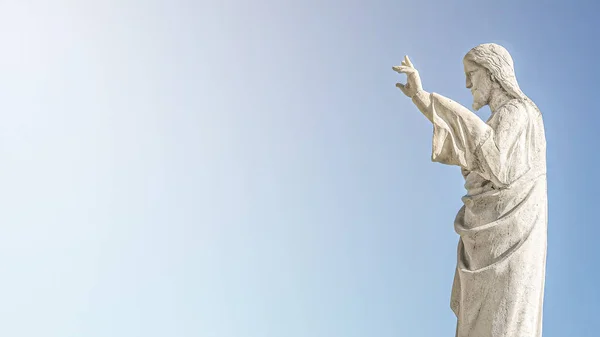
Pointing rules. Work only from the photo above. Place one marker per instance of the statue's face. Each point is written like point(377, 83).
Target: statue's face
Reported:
point(480, 82)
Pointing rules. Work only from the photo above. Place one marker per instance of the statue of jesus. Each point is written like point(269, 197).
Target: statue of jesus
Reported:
point(498, 288)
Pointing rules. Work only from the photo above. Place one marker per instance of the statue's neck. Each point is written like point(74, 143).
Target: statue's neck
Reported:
point(498, 99)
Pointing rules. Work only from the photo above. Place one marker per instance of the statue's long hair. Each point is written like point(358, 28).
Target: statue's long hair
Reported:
point(499, 63)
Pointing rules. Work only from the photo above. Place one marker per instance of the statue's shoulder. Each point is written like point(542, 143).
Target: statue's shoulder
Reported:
point(512, 112)
point(515, 105)
point(526, 105)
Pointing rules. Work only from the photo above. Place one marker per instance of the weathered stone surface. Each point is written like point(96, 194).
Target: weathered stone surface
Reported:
point(498, 286)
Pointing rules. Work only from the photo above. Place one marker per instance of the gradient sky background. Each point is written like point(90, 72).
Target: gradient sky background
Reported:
point(248, 169)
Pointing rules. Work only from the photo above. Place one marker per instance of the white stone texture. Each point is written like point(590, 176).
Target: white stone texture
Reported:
point(498, 288)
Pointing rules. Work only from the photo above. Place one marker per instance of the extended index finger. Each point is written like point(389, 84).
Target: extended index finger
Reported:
point(403, 69)
point(407, 60)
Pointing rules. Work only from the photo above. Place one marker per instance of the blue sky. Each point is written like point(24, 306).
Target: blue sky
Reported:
point(248, 169)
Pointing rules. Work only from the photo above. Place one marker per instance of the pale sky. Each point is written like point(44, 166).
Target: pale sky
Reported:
point(248, 169)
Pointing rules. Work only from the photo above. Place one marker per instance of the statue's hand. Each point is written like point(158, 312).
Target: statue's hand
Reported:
point(413, 80)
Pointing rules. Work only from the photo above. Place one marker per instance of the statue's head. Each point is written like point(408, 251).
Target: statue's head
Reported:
point(489, 67)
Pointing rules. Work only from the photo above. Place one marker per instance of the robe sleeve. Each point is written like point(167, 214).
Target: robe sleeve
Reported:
point(457, 133)
point(461, 138)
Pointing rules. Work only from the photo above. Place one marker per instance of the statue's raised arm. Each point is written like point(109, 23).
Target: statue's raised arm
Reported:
point(499, 281)
point(414, 89)
point(447, 116)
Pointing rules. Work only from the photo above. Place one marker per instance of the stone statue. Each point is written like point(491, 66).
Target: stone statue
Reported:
point(498, 288)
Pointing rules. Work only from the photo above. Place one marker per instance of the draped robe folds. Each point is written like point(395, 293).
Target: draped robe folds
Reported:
point(499, 279)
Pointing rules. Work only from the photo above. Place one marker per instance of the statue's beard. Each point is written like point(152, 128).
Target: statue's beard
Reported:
point(479, 101)
point(477, 105)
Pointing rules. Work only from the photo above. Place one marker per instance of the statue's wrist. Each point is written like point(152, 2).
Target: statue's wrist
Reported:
point(417, 94)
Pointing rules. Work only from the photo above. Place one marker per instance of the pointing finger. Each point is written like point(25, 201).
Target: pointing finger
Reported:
point(403, 69)
point(407, 60)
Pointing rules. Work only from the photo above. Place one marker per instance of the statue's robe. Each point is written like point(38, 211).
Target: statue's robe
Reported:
point(498, 286)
